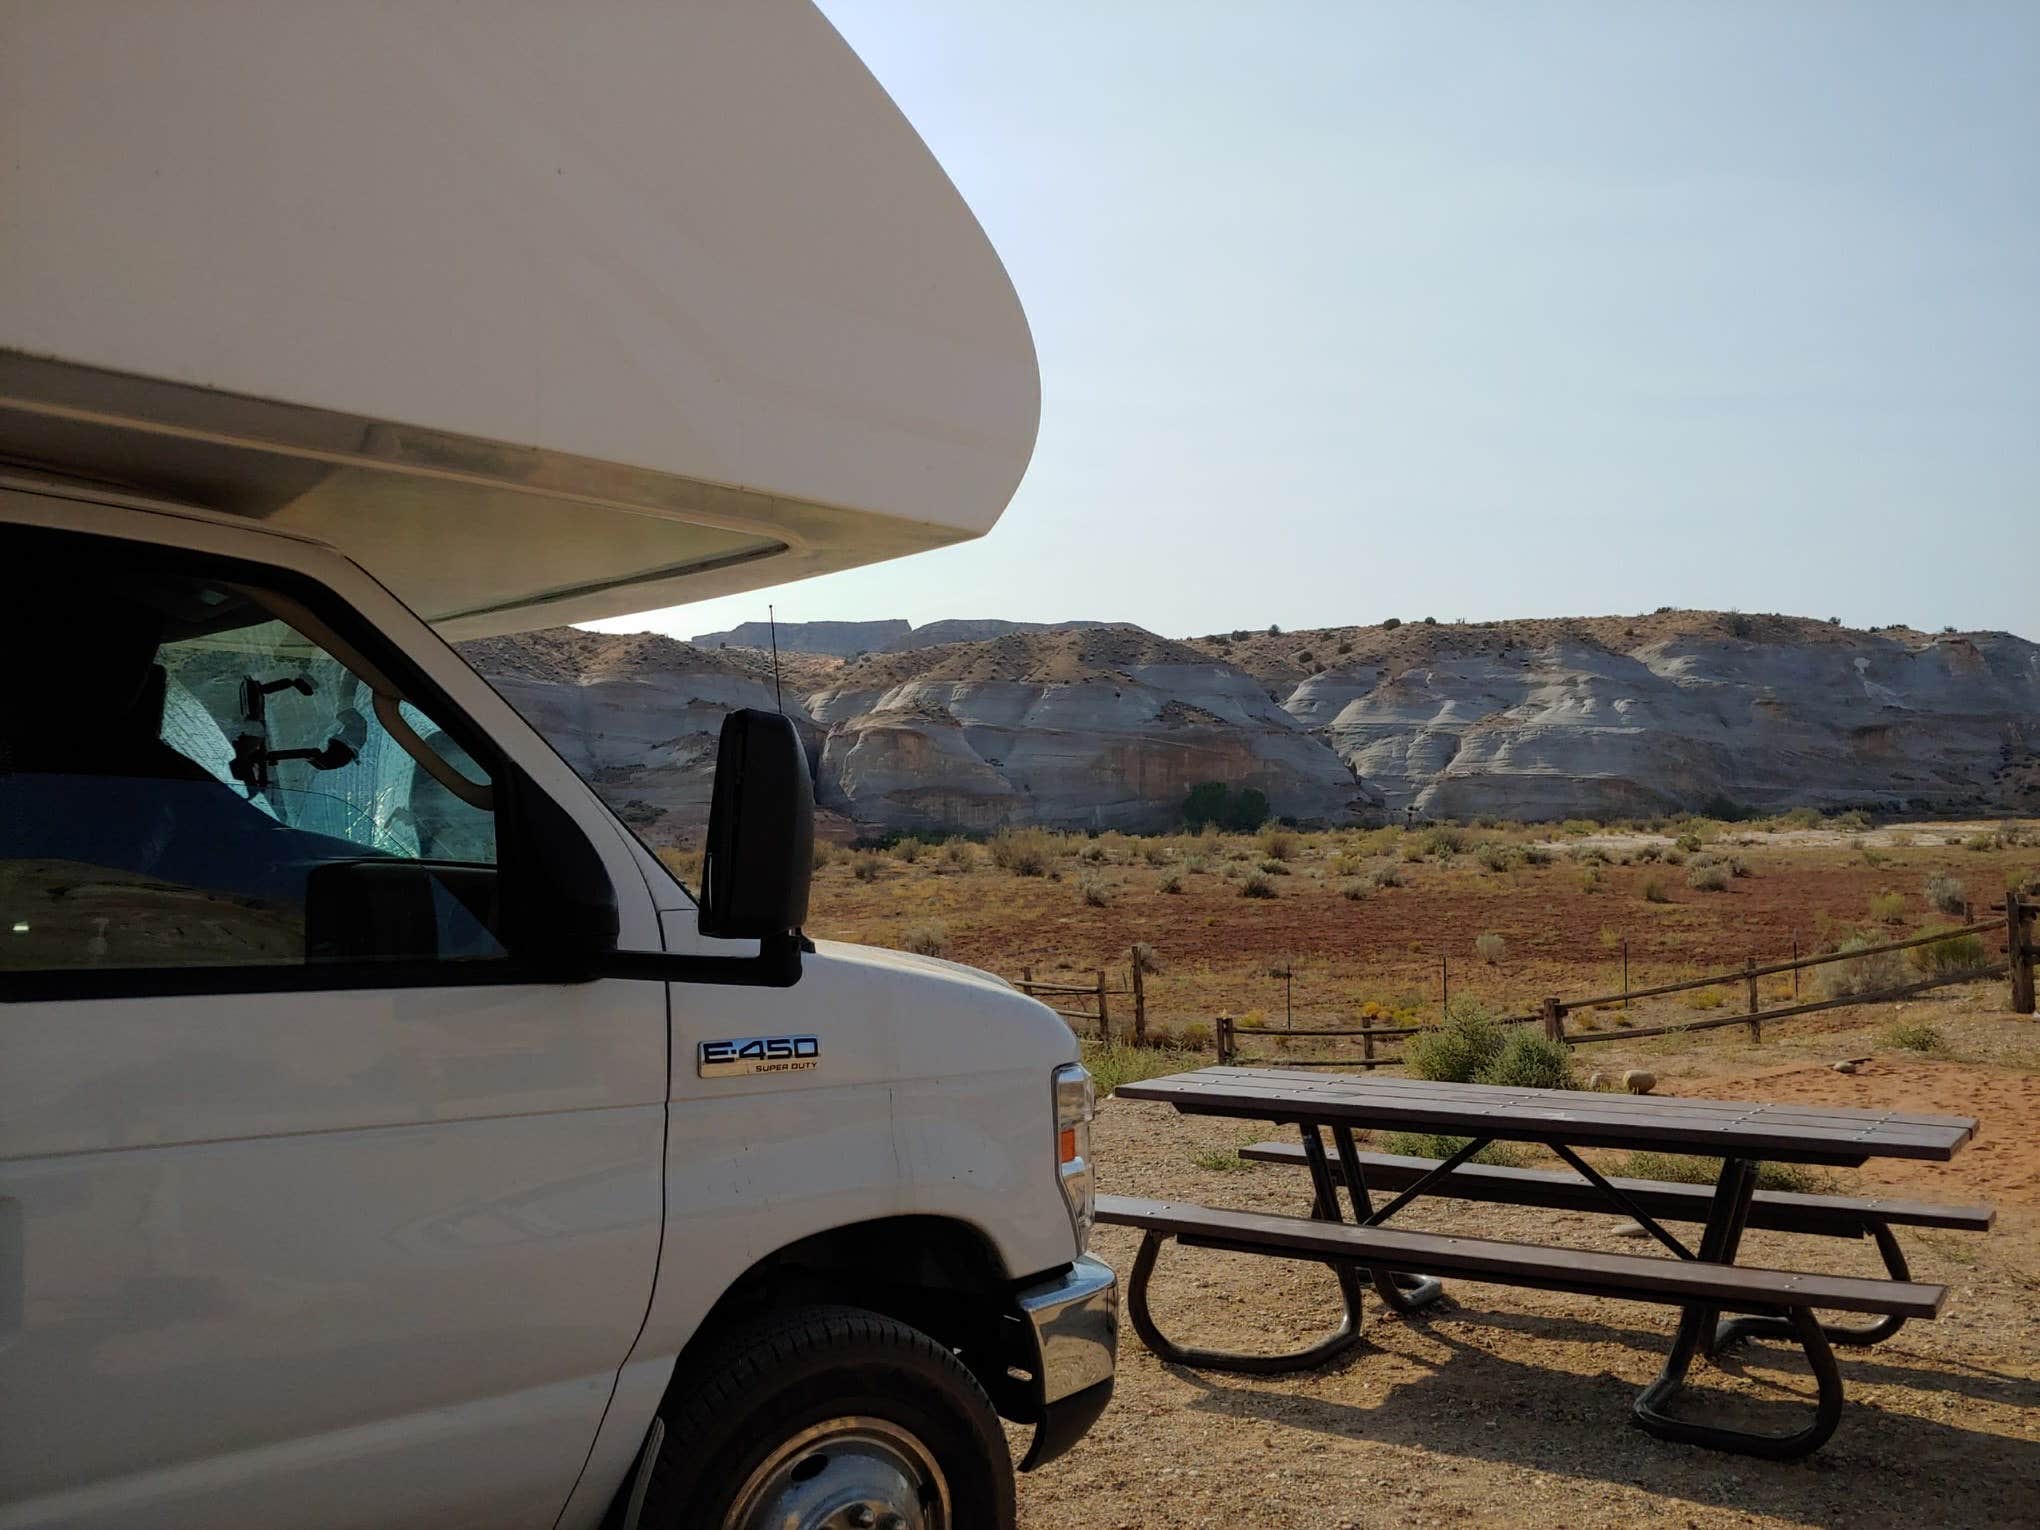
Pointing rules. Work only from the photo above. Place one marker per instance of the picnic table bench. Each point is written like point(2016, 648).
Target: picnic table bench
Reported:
point(1405, 1266)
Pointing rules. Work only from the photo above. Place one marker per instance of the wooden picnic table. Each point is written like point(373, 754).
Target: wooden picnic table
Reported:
point(1403, 1266)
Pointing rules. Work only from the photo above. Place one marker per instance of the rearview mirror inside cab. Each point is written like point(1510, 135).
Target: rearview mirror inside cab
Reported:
point(761, 832)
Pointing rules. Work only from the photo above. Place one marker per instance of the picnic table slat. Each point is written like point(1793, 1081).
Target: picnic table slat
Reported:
point(1641, 1101)
point(1630, 1277)
point(1722, 1128)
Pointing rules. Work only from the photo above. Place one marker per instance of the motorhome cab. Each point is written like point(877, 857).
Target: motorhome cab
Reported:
point(386, 1138)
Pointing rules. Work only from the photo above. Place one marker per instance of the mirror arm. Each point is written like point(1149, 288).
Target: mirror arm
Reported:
point(777, 965)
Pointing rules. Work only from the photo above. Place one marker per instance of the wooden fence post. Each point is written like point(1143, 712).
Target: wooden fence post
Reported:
point(1139, 1002)
point(1795, 968)
point(1554, 1020)
point(1104, 1015)
point(1367, 1037)
point(1027, 980)
point(1225, 1039)
point(2019, 952)
point(1444, 986)
point(1625, 970)
point(1750, 979)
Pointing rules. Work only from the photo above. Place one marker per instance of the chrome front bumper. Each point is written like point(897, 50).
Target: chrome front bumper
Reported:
point(1074, 1319)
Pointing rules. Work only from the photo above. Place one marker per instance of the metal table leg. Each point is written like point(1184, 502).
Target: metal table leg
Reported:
point(1726, 1219)
point(1332, 1345)
point(1400, 1293)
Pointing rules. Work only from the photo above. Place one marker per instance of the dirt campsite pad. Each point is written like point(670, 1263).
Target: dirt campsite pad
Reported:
point(1505, 1406)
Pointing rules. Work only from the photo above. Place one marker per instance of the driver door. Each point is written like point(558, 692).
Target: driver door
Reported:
point(318, 1207)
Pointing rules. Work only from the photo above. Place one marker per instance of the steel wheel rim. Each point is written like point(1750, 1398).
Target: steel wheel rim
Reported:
point(850, 1473)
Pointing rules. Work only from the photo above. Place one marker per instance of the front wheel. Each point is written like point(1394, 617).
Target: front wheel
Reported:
point(831, 1418)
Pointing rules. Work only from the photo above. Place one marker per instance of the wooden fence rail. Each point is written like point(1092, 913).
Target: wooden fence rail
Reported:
point(1099, 993)
point(2021, 954)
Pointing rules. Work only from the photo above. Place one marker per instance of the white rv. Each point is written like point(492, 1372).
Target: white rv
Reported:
point(386, 1138)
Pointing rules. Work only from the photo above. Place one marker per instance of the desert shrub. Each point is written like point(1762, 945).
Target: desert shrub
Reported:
point(1345, 648)
point(1688, 1169)
point(1708, 876)
point(1590, 855)
point(1655, 891)
point(1580, 826)
point(1980, 842)
point(1096, 894)
point(1433, 1145)
point(1354, 892)
point(1172, 883)
point(826, 852)
point(1155, 853)
point(1888, 907)
point(1703, 998)
point(1443, 840)
point(1947, 894)
point(926, 940)
point(1954, 953)
point(1536, 855)
point(1277, 844)
point(1457, 1048)
point(1498, 857)
point(1689, 843)
point(1675, 857)
point(1490, 947)
point(1800, 818)
point(1863, 974)
point(1913, 1036)
point(1387, 874)
point(1530, 1060)
point(1221, 1160)
point(866, 865)
point(1590, 880)
point(1276, 868)
point(1196, 1034)
point(1257, 885)
point(908, 849)
point(1855, 819)
point(1024, 852)
point(1650, 852)
point(1113, 1063)
point(959, 853)
point(1391, 624)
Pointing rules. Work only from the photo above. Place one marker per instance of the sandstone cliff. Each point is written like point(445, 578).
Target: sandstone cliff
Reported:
point(1105, 727)
point(1109, 726)
point(637, 715)
point(1613, 716)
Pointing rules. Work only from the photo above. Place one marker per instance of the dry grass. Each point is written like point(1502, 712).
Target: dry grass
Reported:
point(1359, 925)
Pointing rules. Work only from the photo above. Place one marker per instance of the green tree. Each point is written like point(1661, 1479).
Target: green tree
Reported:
point(1205, 804)
point(1247, 811)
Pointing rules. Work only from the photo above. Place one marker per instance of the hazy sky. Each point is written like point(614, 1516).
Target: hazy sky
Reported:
point(1353, 310)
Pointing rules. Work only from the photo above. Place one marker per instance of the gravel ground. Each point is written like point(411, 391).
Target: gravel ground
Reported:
point(1503, 1406)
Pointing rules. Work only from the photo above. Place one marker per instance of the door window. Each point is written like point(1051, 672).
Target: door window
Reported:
point(196, 771)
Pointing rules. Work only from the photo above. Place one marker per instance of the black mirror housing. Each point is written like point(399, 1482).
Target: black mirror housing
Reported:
point(761, 832)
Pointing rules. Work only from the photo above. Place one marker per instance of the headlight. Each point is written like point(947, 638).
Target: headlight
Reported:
point(1076, 1102)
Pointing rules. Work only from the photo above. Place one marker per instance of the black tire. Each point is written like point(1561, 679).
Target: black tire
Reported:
point(762, 1385)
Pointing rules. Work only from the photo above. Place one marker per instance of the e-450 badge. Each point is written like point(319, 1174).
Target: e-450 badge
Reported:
point(758, 1054)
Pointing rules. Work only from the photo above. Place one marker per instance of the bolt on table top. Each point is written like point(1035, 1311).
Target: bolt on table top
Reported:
point(1721, 1128)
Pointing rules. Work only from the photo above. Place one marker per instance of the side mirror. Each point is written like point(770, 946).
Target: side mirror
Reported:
point(761, 833)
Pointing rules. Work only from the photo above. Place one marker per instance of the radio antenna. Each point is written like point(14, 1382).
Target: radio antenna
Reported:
point(772, 622)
